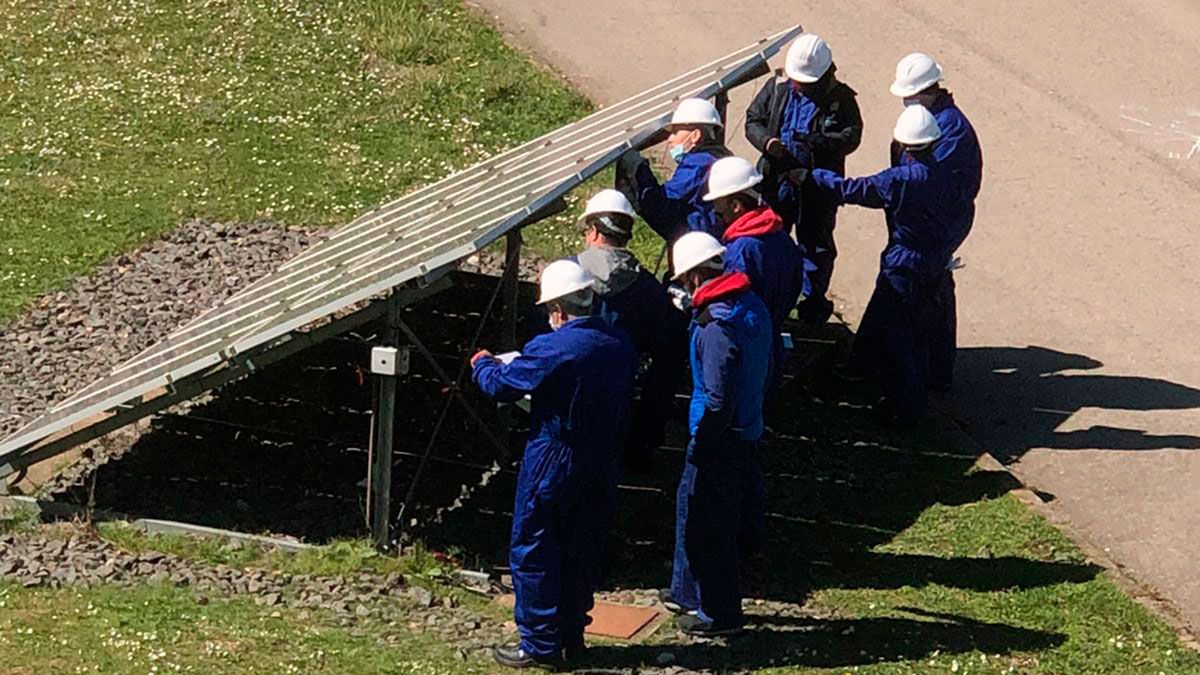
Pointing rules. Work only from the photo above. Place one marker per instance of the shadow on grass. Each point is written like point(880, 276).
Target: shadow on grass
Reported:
point(827, 643)
point(838, 487)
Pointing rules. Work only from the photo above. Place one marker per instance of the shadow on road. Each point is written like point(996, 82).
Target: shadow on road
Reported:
point(1016, 399)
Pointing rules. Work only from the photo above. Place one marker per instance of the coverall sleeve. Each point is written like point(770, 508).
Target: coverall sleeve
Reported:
point(508, 383)
point(718, 354)
point(874, 192)
point(758, 117)
point(665, 207)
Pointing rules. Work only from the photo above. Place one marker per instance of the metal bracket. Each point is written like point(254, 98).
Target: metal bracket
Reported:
point(553, 208)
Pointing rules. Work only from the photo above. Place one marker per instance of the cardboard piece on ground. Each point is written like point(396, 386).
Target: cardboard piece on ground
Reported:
point(615, 621)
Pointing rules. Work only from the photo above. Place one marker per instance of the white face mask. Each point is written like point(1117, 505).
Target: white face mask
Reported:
point(555, 322)
point(910, 101)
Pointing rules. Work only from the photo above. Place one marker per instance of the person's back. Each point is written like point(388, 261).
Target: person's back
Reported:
point(589, 384)
point(738, 324)
point(759, 246)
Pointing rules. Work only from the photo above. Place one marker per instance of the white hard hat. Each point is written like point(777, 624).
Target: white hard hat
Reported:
point(917, 126)
point(808, 59)
point(695, 111)
point(562, 278)
point(914, 74)
point(694, 249)
point(607, 201)
point(731, 175)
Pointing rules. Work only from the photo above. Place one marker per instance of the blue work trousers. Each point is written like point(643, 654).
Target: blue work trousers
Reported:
point(558, 543)
point(892, 344)
point(710, 508)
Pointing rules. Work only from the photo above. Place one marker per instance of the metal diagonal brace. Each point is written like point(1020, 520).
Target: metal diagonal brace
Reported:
point(442, 375)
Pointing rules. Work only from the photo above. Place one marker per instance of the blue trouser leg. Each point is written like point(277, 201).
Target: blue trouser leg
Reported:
point(776, 368)
point(814, 234)
point(586, 531)
point(943, 339)
point(536, 552)
point(891, 345)
point(684, 589)
point(708, 516)
point(752, 533)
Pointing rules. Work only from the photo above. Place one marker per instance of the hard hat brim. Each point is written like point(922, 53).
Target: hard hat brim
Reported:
point(672, 126)
point(714, 196)
point(802, 77)
point(574, 288)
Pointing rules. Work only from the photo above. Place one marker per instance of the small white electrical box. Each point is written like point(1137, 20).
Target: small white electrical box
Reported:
point(389, 361)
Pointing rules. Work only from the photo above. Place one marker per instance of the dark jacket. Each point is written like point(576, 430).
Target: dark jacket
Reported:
point(835, 133)
point(630, 298)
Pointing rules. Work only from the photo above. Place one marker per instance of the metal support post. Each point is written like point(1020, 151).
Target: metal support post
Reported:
point(386, 362)
point(721, 103)
point(512, 269)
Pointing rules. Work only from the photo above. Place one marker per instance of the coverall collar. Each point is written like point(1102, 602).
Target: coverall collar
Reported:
point(756, 223)
point(725, 286)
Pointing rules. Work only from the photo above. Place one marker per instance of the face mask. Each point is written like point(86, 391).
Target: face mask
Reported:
point(911, 101)
point(677, 152)
point(555, 322)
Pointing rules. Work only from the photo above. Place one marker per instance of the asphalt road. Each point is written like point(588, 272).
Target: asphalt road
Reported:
point(1078, 305)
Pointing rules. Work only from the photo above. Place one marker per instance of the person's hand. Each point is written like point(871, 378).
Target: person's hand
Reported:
point(775, 148)
point(481, 354)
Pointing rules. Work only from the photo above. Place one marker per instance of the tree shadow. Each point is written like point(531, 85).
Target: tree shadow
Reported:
point(1016, 399)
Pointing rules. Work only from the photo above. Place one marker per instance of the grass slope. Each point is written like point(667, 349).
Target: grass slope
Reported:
point(122, 118)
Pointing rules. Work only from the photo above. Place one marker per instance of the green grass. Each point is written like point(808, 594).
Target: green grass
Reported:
point(123, 118)
point(155, 629)
point(18, 519)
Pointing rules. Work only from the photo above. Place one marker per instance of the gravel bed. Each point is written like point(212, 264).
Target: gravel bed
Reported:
point(73, 337)
point(68, 339)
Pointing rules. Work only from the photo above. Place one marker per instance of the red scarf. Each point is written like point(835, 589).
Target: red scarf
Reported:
point(757, 223)
point(724, 286)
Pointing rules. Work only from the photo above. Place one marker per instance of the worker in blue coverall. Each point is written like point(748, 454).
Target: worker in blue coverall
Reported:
point(677, 206)
point(918, 82)
point(806, 119)
point(730, 350)
point(580, 380)
point(927, 207)
point(630, 298)
point(757, 244)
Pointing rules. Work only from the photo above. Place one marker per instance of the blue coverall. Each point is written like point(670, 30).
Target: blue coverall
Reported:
point(677, 206)
point(757, 244)
point(580, 379)
point(730, 344)
point(927, 207)
point(630, 298)
point(958, 148)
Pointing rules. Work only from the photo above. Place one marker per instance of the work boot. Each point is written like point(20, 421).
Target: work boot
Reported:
point(574, 653)
point(694, 626)
point(664, 597)
point(513, 656)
